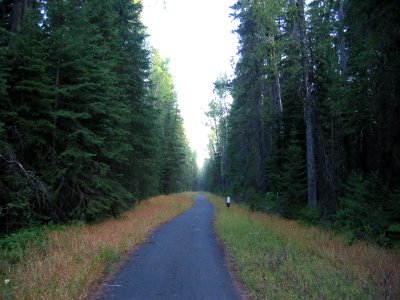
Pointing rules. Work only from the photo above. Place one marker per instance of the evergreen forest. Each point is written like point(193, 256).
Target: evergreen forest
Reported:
point(309, 125)
point(89, 121)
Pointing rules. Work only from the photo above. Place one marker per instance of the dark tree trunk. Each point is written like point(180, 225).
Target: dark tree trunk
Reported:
point(18, 10)
point(56, 104)
point(308, 103)
point(343, 55)
point(16, 15)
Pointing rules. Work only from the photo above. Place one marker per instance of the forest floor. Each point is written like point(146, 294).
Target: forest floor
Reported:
point(283, 259)
point(182, 260)
point(76, 258)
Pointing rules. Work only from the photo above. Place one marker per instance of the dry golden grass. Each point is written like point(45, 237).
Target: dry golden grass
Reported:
point(377, 267)
point(79, 257)
point(367, 269)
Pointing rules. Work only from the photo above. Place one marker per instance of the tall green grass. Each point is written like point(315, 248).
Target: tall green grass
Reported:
point(282, 259)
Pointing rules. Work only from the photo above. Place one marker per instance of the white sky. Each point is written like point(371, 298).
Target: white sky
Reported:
point(197, 38)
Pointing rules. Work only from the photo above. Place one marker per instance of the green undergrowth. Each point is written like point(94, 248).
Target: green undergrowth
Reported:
point(16, 247)
point(273, 265)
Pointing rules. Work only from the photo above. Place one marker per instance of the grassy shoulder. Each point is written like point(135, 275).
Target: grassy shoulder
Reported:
point(282, 259)
point(67, 262)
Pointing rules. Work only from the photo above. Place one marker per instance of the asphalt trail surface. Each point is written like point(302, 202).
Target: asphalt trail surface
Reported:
point(182, 260)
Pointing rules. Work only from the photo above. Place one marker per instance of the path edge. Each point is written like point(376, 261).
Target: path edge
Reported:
point(230, 262)
point(98, 289)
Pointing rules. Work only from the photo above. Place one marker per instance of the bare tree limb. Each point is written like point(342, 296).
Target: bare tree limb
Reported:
point(34, 181)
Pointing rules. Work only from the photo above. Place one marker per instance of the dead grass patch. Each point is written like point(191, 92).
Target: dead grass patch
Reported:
point(79, 257)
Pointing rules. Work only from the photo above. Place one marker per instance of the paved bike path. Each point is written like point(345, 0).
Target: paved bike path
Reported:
point(182, 260)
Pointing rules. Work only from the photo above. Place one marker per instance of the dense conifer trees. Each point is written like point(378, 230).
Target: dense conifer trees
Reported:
point(84, 132)
point(178, 166)
point(314, 119)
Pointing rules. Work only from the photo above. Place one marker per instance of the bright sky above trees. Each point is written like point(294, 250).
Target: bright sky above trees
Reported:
point(197, 38)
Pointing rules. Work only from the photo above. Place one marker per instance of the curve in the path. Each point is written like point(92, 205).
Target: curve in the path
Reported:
point(182, 260)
